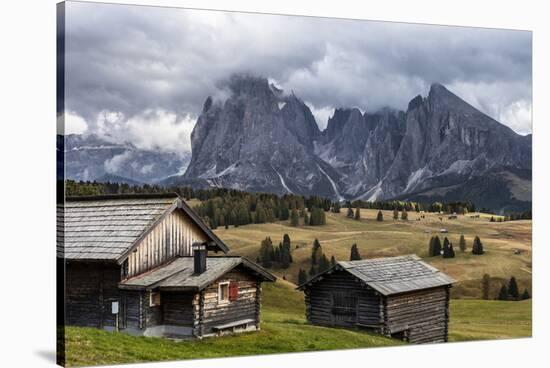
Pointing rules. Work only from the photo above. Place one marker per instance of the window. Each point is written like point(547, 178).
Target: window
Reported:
point(154, 299)
point(223, 292)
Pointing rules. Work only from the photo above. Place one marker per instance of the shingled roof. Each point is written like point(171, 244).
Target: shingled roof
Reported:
point(108, 227)
point(392, 275)
point(179, 274)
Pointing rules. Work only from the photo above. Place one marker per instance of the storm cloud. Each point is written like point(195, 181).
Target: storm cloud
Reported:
point(142, 74)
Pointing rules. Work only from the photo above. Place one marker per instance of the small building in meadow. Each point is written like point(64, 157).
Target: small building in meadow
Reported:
point(139, 264)
point(400, 297)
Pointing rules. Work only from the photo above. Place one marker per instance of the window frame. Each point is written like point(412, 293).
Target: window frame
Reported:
point(220, 286)
point(152, 303)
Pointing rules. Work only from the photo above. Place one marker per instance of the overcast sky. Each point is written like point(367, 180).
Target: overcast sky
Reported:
point(142, 74)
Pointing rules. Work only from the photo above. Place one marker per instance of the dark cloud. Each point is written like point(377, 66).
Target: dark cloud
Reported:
point(140, 62)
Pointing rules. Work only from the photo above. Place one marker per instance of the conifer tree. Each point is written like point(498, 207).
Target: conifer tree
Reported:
point(451, 251)
point(379, 216)
point(357, 214)
point(477, 246)
point(404, 215)
point(316, 252)
point(350, 212)
point(324, 264)
point(462, 243)
point(266, 252)
point(354, 253)
point(333, 263)
point(525, 295)
point(437, 246)
point(294, 218)
point(395, 213)
point(431, 247)
point(485, 286)
point(307, 220)
point(336, 207)
point(513, 290)
point(503, 293)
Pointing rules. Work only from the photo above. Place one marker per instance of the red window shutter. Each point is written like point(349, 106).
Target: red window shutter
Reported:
point(233, 291)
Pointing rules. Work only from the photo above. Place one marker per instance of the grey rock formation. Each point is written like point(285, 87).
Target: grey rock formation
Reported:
point(258, 140)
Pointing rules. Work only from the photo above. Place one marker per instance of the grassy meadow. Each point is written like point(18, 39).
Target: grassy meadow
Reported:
point(397, 237)
point(284, 329)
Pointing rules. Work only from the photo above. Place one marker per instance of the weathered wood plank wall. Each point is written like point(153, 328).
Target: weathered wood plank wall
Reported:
point(320, 308)
point(423, 314)
point(173, 236)
point(210, 312)
point(90, 290)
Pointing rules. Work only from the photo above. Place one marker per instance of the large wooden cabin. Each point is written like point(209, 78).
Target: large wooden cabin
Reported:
point(400, 297)
point(139, 264)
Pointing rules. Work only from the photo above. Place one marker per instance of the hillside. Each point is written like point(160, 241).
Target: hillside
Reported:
point(284, 330)
point(390, 238)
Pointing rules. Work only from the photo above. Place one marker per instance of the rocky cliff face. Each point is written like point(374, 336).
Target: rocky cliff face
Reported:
point(261, 139)
point(258, 140)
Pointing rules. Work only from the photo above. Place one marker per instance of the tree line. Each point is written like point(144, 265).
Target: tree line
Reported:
point(509, 291)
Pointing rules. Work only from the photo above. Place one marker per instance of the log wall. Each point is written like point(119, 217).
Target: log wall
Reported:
point(418, 317)
point(209, 312)
point(324, 302)
point(90, 290)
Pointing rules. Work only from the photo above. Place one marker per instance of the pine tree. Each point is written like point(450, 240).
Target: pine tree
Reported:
point(324, 264)
point(350, 212)
point(437, 246)
point(431, 247)
point(451, 251)
point(307, 220)
point(485, 286)
point(492, 219)
point(336, 207)
point(477, 246)
point(404, 215)
point(379, 216)
point(266, 252)
point(395, 213)
point(354, 253)
point(316, 252)
point(513, 290)
point(294, 218)
point(462, 243)
point(357, 214)
point(503, 293)
point(525, 295)
point(333, 262)
point(302, 276)
point(285, 257)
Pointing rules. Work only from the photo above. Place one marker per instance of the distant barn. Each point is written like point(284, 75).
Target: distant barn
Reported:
point(138, 263)
point(400, 297)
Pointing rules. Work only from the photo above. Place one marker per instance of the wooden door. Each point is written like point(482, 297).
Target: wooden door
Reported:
point(344, 308)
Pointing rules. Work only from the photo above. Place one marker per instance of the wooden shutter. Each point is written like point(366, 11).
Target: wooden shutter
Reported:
point(233, 291)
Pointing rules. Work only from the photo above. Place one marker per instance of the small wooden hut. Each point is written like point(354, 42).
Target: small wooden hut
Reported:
point(139, 264)
point(401, 297)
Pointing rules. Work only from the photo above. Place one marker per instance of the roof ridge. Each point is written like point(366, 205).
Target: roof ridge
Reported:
point(121, 196)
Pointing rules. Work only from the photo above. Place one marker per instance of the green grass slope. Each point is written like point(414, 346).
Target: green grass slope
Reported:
point(284, 330)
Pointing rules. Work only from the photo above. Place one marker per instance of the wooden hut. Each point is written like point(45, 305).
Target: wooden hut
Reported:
point(401, 297)
point(139, 263)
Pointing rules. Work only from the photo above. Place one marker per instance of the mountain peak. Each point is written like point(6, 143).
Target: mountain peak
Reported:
point(248, 84)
